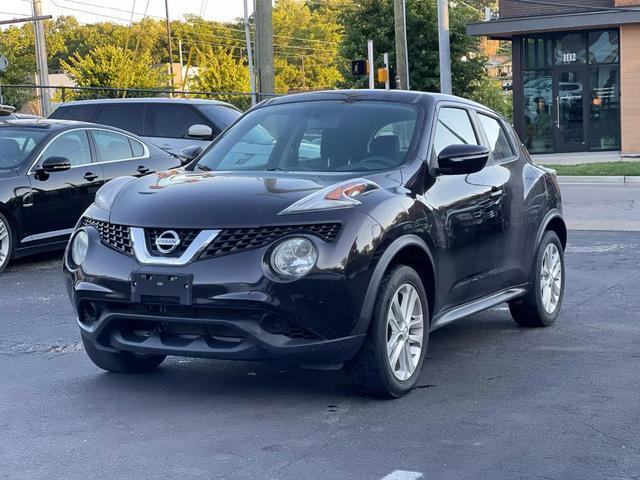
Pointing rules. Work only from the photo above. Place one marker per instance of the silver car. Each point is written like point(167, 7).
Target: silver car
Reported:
point(172, 124)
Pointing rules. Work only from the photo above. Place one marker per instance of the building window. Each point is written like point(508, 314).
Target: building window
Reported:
point(604, 47)
point(570, 49)
point(537, 53)
point(605, 108)
point(538, 106)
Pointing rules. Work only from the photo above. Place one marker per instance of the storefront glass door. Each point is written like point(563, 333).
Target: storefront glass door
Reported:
point(570, 107)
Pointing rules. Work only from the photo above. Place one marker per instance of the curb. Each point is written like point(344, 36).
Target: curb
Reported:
point(601, 179)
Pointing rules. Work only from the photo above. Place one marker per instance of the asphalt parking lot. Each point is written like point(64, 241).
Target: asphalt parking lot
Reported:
point(495, 401)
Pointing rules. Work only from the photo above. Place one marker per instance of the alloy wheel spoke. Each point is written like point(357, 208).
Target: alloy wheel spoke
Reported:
point(395, 336)
point(395, 355)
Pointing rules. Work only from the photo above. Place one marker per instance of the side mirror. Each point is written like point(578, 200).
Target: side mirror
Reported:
point(200, 131)
point(190, 153)
point(462, 159)
point(55, 164)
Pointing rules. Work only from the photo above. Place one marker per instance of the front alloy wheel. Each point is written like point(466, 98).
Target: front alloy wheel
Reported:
point(391, 357)
point(404, 332)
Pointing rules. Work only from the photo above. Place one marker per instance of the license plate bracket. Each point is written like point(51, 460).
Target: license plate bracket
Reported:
point(168, 288)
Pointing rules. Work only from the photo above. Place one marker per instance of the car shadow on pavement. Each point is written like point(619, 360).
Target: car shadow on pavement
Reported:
point(189, 380)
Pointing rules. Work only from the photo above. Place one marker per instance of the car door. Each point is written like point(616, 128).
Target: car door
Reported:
point(467, 211)
point(120, 155)
point(58, 199)
point(520, 219)
point(167, 126)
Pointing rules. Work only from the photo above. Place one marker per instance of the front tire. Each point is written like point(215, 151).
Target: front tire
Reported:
point(390, 360)
point(6, 242)
point(121, 362)
point(541, 306)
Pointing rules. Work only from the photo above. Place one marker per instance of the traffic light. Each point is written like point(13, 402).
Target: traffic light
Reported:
point(382, 74)
point(359, 67)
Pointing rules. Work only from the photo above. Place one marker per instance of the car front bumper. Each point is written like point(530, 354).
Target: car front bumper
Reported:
point(235, 310)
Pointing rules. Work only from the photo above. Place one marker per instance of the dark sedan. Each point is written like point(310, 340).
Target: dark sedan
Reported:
point(50, 171)
point(364, 221)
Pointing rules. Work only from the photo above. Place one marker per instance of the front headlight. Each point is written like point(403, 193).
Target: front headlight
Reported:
point(293, 258)
point(110, 190)
point(79, 247)
point(340, 195)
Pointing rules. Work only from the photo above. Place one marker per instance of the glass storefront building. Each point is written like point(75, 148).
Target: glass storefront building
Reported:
point(570, 71)
point(571, 91)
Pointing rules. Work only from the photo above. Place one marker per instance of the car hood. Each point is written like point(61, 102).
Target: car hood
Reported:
point(183, 199)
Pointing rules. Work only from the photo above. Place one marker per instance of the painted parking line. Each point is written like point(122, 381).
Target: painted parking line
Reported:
point(402, 475)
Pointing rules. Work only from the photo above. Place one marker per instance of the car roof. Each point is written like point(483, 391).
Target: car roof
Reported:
point(400, 96)
point(190, 101)
point(55, 125)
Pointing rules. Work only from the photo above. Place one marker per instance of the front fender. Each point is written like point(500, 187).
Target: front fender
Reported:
point(380, 269)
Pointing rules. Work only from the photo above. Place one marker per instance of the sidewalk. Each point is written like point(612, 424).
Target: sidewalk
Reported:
point(581, 157)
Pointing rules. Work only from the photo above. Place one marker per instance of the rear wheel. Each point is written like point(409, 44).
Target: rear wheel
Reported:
point(391, 357)
point(121, 362)
point(541, 306)
point(6, 242)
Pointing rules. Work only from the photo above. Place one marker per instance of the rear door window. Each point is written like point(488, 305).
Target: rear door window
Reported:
point(111, 146)
point(172, 121)
point(127, 116)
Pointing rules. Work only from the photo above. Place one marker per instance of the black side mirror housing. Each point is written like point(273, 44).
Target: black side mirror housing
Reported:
point(462, 159)
point(190, 153)
point(55, 164)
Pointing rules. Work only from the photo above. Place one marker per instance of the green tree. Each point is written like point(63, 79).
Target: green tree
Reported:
point(115, 67)
point(374, 20)
point(220, 71)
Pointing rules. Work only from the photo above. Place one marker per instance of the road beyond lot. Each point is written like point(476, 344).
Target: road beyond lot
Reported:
point(495, 401)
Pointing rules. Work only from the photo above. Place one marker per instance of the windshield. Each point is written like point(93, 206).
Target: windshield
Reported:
point(16, 144)
point(321, 136)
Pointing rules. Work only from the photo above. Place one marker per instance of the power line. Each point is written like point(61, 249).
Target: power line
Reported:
point(79, 2)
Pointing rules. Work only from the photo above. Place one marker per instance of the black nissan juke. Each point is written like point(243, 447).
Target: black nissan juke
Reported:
point(325, 228)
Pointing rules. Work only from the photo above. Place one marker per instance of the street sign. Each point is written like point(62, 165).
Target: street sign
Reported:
point(4, 63)
point(359, 67)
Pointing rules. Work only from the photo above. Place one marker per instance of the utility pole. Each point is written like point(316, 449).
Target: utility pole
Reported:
point(247, 37)
point(264, 46)
point(402, 56)
point(372, 67)
point(41, 60)
point(445, 49)
point(166, 9)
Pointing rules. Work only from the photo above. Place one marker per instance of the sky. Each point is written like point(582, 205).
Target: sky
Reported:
point(91, 11)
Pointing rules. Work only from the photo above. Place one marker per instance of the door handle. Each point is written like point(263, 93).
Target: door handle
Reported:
point(90, 176)
point(142, 169)
point(558, 111)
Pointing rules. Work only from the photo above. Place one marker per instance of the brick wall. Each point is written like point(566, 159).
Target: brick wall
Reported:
point(627, 3)
point(514, 8)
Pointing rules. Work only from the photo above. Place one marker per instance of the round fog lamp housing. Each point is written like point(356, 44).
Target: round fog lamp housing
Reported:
point(294, 257)
point(79, 247)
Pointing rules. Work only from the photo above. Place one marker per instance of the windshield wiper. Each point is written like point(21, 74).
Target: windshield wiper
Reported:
point(203, 167)
point(274, 169)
